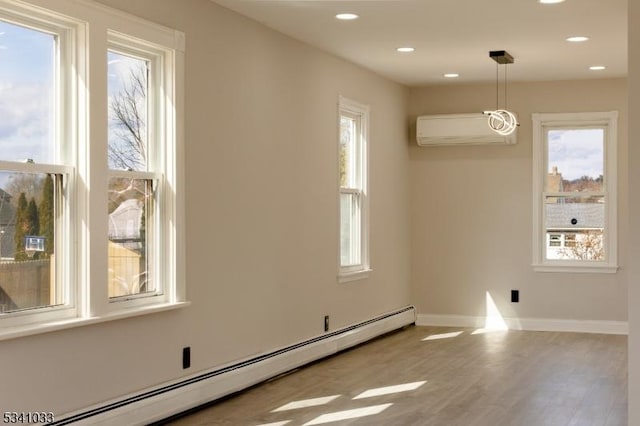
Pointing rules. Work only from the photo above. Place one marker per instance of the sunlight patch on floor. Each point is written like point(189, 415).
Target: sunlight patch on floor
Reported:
point(304, 403)
point(443, 336)
point(485, 331)
point(282, 423)
point(348, 414)
point(494, 319)
point(390, 389)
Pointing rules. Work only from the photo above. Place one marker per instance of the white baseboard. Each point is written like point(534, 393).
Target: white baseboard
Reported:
point(531, 324)
point(161, 402)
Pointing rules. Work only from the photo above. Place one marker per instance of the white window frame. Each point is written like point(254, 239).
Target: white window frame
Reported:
point(361, 113)
point(157, 115)
point(542, 122)
point(87, 31)
point(68, 33)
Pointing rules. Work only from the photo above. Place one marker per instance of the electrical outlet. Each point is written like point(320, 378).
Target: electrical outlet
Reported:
point(326, 323)
point(186, 357)
point(515, 296)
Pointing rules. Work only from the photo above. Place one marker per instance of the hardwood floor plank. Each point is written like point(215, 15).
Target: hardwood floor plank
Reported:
point(508, 378)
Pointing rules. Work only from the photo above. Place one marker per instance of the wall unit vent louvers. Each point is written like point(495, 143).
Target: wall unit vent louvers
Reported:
point(458, 129)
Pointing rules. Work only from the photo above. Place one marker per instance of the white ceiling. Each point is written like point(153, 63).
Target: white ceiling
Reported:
point(457, 35)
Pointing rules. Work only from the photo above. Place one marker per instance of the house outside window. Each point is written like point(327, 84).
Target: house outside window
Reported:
point(575, 192)
point(354, 239)
point(57, 247)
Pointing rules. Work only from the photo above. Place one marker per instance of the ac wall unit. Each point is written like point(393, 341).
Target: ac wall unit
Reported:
point(458, 129)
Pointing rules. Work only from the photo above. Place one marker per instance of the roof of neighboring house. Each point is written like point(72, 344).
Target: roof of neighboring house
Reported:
point(588, 215)
point(4, 195)
point(7, 210)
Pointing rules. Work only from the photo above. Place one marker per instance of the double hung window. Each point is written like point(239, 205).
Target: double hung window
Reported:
point(89, 200)
point(575, 192)
point(353, 125)
point(37, 170)
point(135, 169)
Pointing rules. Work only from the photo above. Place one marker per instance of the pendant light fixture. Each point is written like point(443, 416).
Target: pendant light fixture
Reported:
point(501, 121)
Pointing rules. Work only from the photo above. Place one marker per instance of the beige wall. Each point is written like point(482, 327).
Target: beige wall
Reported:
point(261, 215)
point(262, 210)
point(634, 213)
point(471, 211)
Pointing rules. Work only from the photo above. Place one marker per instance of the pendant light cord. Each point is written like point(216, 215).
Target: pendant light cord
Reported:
point(501, 121)
point(497, 87)
point(505, 87)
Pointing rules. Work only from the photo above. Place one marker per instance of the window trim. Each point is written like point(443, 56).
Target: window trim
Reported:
point(541, 122)
point(69, 38)
point(157, 139)
point(361, 111)
point(79, 160)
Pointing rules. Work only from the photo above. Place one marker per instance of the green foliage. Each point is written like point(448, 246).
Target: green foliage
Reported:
point(27, 223)
point(21, 227)
point(33, 220)
point(46, 216)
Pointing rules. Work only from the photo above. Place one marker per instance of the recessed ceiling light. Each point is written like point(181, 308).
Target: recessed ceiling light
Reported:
point(577, 39)
point(597, 68)
point(405, 49)
point(550, 1)
point(347, 16)
point(451, 75)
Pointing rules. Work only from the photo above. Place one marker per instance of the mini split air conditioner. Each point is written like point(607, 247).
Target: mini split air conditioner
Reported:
point(458, 129)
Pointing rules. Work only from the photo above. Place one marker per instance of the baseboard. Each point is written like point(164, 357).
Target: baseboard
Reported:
point(532, 324)
point(176, 397)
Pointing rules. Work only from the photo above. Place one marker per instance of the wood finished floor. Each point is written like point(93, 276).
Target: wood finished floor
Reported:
point(486, 379)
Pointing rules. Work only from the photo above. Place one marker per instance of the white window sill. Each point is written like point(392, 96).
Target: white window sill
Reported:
point(593, 269)
point(354, 276)
point(39, 328)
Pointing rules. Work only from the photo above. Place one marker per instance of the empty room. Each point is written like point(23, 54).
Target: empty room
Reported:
point(256, 212)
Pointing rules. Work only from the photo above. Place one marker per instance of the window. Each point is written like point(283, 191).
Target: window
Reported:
point(555, 240)
point(35, 170)
point(575, 192)
point(135, 169)
point(354, 253)
point(63, 259)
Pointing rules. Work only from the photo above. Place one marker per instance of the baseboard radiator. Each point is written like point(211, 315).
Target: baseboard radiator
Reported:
point(162, 402)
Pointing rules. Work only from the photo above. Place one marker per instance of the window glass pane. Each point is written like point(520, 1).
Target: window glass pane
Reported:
point(28, 203)
point(128, 90)
point(353, 205)
point(347, 152)
point(350, 229)
point(555, 240)
point(130, 207)
point(574, 227)
point(575, 160)
point(26, 94)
